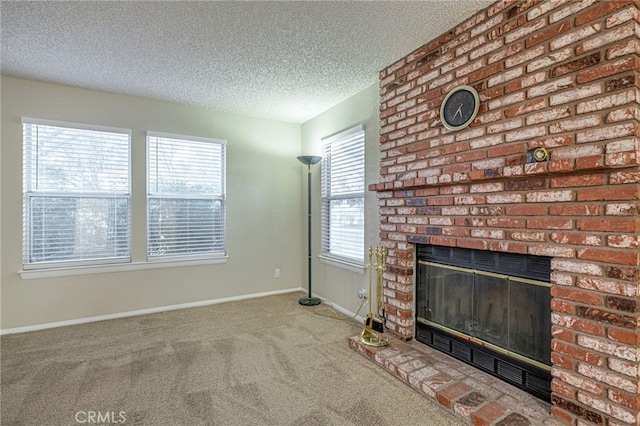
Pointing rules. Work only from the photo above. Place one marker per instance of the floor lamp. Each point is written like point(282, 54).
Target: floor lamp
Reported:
point(309, 160)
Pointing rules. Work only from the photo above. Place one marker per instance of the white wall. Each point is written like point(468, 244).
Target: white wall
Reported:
point(332, 282)
point(264, 216)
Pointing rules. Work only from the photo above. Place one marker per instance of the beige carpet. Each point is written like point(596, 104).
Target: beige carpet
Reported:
point(265, 361)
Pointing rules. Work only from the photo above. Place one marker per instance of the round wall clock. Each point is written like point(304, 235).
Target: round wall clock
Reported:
point(459, 107)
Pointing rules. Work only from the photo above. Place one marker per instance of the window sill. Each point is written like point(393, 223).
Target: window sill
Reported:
point(350, 266)
point(120, 267)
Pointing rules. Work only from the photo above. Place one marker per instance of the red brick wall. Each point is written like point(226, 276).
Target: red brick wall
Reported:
point(564, 75)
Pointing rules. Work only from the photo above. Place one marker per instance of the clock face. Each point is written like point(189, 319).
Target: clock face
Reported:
point(459, 108)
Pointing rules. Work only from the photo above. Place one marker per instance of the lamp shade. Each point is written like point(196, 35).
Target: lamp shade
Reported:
point(309, 160)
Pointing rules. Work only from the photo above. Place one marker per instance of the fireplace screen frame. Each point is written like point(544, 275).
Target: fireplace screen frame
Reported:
point(485, 339)
point(450, 335)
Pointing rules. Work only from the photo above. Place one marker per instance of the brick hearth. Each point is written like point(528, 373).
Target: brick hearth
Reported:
point(561, 75)
point(470, 394)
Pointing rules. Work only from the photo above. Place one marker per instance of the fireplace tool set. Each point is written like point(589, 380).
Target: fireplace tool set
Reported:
point(374, 322)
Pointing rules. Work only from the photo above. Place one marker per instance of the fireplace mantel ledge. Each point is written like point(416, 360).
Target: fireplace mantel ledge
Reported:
point(519, 171)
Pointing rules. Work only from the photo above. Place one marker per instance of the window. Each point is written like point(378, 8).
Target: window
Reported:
point(76, 194)
point(343, 196)
point(185, 198)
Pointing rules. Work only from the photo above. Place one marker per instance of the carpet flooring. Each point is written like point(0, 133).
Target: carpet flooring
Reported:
point(266, 361)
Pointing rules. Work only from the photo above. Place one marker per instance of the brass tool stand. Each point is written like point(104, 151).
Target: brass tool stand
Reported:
point(374, 324)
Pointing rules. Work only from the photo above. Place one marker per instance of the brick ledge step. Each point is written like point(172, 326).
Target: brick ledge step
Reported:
point(473, 396)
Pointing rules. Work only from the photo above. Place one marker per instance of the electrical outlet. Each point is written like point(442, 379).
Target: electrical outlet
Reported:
point(362, 294)
point(276, 273)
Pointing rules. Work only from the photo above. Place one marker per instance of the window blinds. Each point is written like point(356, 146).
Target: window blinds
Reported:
point(342, 227)
point(76, 191)
point(186, 197)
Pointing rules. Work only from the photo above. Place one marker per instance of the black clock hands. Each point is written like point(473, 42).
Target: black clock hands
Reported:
point(458, 111)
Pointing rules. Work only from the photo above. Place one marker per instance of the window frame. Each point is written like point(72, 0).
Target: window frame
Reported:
point(326, 255)
point(29, 193)
point(222, 198)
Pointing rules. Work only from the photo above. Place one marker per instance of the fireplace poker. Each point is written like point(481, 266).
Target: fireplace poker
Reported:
point(378, 319)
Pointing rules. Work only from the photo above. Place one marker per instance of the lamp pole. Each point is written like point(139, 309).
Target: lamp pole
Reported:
point(309, 160)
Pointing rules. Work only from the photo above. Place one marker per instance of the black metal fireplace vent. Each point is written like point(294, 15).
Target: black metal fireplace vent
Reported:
point(488, 309)
point(533, 380)
point(517, 265)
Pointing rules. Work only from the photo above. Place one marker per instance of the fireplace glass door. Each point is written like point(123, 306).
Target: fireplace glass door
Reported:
point(509, 313)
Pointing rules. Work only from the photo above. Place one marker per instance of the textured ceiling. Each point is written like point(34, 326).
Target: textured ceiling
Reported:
point(282, 60)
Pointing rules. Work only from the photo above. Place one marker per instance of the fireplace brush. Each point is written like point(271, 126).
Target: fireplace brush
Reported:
point(373, 323)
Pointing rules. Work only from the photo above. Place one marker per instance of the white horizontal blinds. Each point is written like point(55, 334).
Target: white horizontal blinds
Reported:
point(342, 227)
point(76, 195)
point(186, 197)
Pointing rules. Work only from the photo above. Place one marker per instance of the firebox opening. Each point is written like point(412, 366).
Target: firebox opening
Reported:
point(489, 309)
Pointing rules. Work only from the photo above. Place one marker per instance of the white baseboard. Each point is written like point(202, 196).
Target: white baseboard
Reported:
point(145, 311)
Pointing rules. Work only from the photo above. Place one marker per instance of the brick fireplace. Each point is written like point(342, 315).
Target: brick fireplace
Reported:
point(560, 75)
